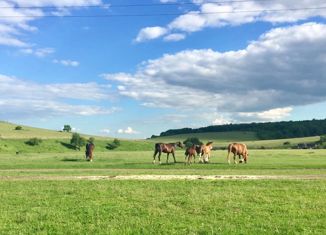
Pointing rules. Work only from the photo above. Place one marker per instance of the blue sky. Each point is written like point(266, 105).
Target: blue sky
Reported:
point(133, 76)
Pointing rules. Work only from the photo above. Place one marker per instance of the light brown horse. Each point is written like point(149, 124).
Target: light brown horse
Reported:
point(206, 152)
point(89, 151)
point(166, 148)
point(191, 153)
point(238, 149)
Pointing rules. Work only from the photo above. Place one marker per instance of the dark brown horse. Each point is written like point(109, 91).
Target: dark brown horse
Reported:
point(191, 153)
point(166, 148)
point(89, 151)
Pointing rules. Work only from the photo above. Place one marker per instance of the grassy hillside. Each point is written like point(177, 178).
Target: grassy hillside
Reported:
point(217, 137)
point(7, 131)
point(222, 139)
point(13, 141)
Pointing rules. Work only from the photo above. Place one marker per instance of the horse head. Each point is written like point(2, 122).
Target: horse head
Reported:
point(179, 144)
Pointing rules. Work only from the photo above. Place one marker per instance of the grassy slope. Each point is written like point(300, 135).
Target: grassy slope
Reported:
point(222, 139)
point(12, 141)
point(7, 131)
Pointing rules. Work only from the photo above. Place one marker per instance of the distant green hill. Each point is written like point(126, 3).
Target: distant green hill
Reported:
point(223, 139)
point(263, 131)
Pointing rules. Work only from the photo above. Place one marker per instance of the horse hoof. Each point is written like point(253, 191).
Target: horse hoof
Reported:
point(154, 162)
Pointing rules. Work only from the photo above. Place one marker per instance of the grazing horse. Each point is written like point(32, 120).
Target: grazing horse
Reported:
point(191, 153)
point(206, 152)
point(165, 148)
point(238, 149)
point(89, 151)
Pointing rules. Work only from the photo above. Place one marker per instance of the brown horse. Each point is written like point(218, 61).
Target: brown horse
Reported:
point(206, 152)
point(89, 151)
point(166, 148)
point(191, 153)
point(238, 149)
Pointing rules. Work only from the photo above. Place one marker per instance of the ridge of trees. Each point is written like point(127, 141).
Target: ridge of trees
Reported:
point(266, 130)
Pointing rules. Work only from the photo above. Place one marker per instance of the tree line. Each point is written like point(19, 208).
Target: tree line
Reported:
point(267, 130)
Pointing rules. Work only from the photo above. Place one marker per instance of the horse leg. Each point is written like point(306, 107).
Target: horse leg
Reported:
point(167, 158)
point(228, 157)
point(154, 156)
point(174, 157)
point(159, 157)
point(234, 159)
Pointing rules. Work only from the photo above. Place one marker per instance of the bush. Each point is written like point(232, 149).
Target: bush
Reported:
point(77, 141)
point(115, 144)
point(33, 141)
point(18, 128)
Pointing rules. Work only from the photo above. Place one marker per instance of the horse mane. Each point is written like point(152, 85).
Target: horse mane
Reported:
point(209, 143)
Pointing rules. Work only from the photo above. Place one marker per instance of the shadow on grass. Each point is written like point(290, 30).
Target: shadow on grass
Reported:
point(72, 160)
point(68, 146)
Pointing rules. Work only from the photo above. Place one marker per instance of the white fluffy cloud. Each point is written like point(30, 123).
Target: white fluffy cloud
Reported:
point(39, 52)
point(70, 63)
point(285, 67)
point(210, 14)
point(174, 37)
point(149, 33)
point(15, 20)
point(128, 131)
point(23, 99)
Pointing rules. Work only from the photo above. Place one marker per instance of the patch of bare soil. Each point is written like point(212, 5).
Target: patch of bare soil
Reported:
point(170, 177)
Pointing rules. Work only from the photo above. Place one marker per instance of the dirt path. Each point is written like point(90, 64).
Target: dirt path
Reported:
point(170, 177)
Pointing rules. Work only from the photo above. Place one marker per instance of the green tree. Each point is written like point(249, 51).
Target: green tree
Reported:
point(77, 141)
point(192, 140)
point(66, 128)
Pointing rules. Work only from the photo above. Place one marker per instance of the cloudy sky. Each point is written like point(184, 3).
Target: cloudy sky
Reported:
point(136, 68)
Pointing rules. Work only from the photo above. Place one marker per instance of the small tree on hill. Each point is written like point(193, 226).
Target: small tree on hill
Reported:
point(66, 128)
point(77, 141)
point(191, 141)
point(18, 128)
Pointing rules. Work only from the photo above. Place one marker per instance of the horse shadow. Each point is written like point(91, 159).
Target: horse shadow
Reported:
point(72, 160)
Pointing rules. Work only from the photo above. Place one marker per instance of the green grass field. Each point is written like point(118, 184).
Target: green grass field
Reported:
point(37, 200)
point(51, 189)
point(163, 207)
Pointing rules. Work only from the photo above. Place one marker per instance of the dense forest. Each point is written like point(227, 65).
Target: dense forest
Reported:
point(267, 130)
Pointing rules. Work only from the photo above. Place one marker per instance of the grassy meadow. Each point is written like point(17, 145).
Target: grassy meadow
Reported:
point(163, 207)
point(42, 194)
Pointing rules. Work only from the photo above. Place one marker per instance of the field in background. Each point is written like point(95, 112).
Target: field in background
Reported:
point(261, 162)
point(13, 141)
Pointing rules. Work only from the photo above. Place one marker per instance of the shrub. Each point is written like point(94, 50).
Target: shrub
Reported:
point(77, 141)
point(18, 128)
point(115, 144)
point(33, 141)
